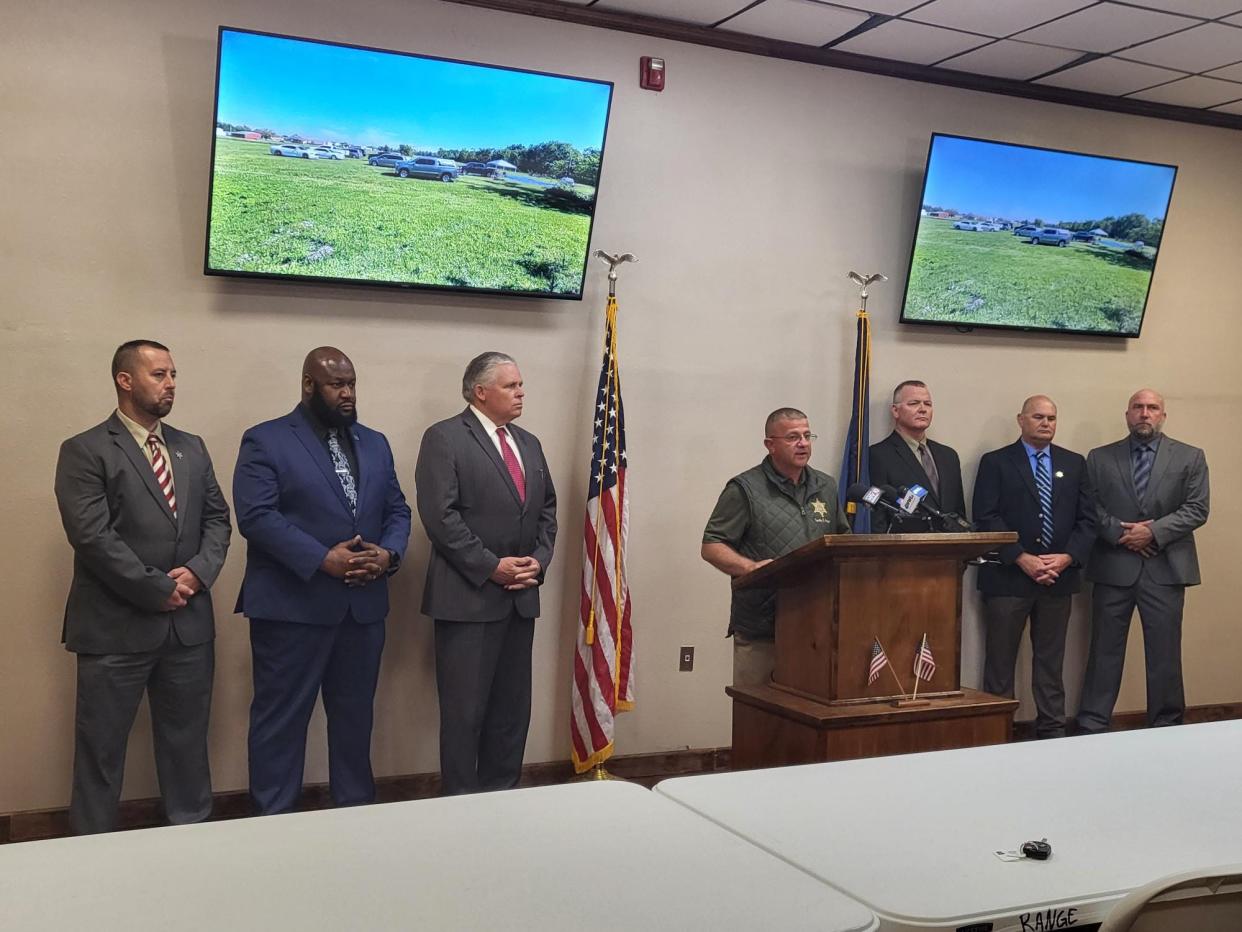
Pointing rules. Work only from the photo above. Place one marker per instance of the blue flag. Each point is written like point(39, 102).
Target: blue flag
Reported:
point(856, 461)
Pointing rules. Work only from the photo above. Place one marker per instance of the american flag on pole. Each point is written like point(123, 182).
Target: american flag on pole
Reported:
point(879, 660)
point(603, 674)
point(924, 662)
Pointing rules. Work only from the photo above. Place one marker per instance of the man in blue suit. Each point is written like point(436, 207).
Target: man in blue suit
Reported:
point(1041, 491)
point(318, 501)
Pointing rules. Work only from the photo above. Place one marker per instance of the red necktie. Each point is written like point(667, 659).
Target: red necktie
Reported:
point(163, 475)
point(511, 462)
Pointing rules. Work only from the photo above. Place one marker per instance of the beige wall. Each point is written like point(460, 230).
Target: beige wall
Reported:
point(747, 189)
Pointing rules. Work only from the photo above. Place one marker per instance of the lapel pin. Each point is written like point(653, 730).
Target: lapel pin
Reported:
point(1059, 474)
point(178, 455)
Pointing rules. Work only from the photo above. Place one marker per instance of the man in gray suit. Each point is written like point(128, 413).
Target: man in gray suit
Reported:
point(149, 529)
point(486, 500)
point(1151, 494)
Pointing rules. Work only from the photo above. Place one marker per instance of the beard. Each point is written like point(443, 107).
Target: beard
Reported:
point(157, 408)
point(329, 415)
point(1144, 431)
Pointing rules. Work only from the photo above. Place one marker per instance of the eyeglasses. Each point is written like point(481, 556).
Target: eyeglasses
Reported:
point(794, 438)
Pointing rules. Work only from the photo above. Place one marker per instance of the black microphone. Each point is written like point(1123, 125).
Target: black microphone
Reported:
point(870, 496)
point(946, 518)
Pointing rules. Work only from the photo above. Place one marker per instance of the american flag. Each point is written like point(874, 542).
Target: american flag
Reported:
point(603, 674)
point(879, 660)
point(924, 662)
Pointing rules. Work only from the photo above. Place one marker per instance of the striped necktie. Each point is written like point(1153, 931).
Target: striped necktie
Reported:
point(1142, 470)
point(163, 475)
point(1043, 484)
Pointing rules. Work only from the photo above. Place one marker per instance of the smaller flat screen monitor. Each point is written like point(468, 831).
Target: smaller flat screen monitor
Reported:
point(334, 163)
point(1027, 238)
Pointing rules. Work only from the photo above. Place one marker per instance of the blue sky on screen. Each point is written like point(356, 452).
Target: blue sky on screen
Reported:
point(1014, 182)
point(338, 94)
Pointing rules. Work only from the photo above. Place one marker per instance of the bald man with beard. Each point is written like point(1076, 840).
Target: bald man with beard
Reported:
point(325, 521)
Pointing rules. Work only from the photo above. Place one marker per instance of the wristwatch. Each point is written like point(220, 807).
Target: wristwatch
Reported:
point(394, 561)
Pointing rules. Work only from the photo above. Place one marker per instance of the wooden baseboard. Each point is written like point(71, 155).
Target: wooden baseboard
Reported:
point(644, 769)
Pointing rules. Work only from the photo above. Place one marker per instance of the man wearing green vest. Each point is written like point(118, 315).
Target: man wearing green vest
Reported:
point(762, 514)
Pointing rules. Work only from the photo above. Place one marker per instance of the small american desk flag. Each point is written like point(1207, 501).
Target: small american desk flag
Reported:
point(924, 662)
point(879, 660)
point(603, 675)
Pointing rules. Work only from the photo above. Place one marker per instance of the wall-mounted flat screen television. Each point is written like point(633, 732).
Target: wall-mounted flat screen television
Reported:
point(1035, 239)
point(344, 164)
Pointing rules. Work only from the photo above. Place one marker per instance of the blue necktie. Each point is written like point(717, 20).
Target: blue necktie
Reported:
point(341, 465)
point(1043, 484)
point(1142, 470)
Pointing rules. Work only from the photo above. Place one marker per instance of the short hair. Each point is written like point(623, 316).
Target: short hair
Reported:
point(127, 352)
point(479, 371)
point(783, 414)
point(908, 383)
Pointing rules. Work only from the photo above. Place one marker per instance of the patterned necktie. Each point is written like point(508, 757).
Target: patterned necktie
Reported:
point(1142, 470)
point(163, 475)
point(929, 467)
point(512, 464)
point(1043, 483)
point(341, 465)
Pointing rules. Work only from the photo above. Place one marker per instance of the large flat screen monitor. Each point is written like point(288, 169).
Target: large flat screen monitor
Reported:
point(344, 164)
point(1028, 238)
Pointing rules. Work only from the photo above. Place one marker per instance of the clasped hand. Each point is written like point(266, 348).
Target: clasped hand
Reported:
point(1044, 568)
point(1138, 536)
point(186, 584)
point(356, 561)
point(517, 573)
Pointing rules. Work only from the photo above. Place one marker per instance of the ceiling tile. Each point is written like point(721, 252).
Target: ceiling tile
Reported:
point(703, 12)
point(1235, 107)
point(1110, 76)
point(1206, 8)
point(1105, 27)
point(887, 7)
point(797, 21)
point(1193, 92)
point(1236, 20)
point(1010, 59)
point(913, 42)
point(1200, 49)
point(1231, 73)
point(993, 17)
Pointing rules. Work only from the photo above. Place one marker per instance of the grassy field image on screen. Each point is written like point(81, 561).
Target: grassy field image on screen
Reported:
point(521, 227)
point(970, 268)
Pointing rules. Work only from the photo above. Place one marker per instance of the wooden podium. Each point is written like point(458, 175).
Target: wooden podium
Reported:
point(835, 596)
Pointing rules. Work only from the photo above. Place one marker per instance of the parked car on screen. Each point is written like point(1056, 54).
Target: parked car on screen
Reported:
point(425, 166)
point(1026, 231)
point(966, 225)
point(287, 149)
point(1083, 237)
point(479, 168)
point(325, 152)
point(355, 152)
point(1051, 236)
point(386, 159)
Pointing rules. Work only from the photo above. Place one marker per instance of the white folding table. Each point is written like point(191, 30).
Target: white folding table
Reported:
point(590, 856)
point(914, 836)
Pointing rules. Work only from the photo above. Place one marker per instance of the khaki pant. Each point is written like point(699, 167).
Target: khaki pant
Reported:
point(753, 661)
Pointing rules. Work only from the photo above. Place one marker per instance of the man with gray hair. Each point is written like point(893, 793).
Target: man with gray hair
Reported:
point(762, 514)
point(486, 500)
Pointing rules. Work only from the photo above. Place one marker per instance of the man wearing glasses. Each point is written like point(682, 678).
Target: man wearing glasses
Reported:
point(762, 514)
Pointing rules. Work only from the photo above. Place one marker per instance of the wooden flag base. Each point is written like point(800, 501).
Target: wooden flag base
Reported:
point(910, 703)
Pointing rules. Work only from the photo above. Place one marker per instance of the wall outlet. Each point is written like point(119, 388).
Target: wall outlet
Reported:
point(686, 660)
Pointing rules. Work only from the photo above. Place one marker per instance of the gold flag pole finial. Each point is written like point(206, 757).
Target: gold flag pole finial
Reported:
point(613, 262)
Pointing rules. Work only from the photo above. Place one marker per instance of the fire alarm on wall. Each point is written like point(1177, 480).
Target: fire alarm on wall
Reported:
point(651, 73)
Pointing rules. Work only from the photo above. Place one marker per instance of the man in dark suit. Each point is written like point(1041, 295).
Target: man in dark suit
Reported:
point(149, 529)
point(1151, 494)
point(906, 457)
point(325, 523)
point(486, 499)
point(1041, 491)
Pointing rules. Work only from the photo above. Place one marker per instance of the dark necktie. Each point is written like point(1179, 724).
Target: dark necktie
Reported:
point(1043, 483)
point(341, 465)
point(1142, 470)
point(929, 467)
point(512, 464)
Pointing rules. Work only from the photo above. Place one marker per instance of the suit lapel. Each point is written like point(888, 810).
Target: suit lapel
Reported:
point(125, 440)
point(319, 454)
point(489, 449)
point(178, 461)
point(1022, 463)
point(1160, 466)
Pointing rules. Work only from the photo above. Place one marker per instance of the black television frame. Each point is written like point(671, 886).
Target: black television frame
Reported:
point(371, 283)
point(1013, 328)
